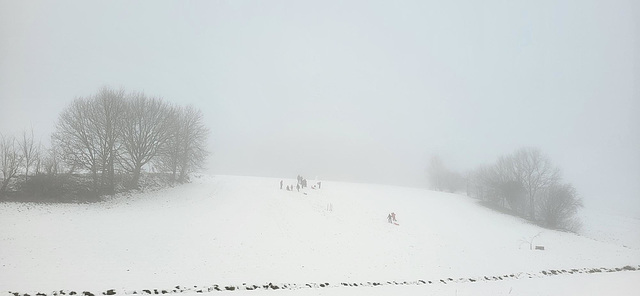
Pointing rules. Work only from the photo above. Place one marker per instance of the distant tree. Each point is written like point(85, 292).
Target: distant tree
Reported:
point(185, 150)
point(87, 133)
point(29, 151)
point(558, 205)
point(77, 138)
point(534, 171)
point(51, 160)
point(109, 107)
point(146, 129)
point(437, 173)
point(10, 160)
point(452, 181)
point(497, 181)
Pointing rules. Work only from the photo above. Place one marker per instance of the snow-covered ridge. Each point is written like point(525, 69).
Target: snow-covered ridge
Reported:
point(231, 229)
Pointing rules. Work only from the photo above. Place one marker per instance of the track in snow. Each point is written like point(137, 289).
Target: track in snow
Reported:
point(271, 286)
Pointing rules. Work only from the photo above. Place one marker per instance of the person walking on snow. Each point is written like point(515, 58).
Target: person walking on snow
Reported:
point(280, 184)
point(389, 218)
point(393, 217)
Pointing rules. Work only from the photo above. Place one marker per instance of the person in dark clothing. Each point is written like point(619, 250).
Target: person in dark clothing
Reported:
point(319, 184)
point(298, 187)
point(280, 184)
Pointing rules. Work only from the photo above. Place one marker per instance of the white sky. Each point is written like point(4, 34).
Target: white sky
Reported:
point(359, 91)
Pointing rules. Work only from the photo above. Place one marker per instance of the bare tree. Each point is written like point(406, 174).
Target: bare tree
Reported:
point(29, 151)
point(87, 132)
point(51, 160)
point(534, 171)
point(185, 150)
point(558, 205)
point(145, 131)
point(529, 240)
point(109, 108)
point(75, 135)
point(37, 159)
point(436, 172)
point(10, 160)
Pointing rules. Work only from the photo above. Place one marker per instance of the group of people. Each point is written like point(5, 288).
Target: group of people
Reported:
point(302, 183)
point(392, 218)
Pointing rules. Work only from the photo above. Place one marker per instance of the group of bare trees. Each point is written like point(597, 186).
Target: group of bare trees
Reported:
point(16, 155)
point(528, 184)
point(113, 133)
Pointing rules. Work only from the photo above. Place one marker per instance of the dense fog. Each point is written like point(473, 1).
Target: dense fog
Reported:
point(360, 91)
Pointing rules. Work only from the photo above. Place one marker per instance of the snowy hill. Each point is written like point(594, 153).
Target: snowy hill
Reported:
point(234, 230)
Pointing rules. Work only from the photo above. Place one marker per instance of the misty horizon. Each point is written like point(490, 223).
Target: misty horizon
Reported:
point(360, 91)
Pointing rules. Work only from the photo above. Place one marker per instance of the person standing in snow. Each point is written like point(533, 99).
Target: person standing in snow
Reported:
point(280, 184)
point(389, 218)
point(393, 217)
point(298, 187)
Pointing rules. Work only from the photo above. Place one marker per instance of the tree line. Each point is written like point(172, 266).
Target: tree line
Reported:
point(108, 139)
point(524, 183)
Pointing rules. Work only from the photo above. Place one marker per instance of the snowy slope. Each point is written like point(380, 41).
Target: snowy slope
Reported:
point(231, 230)
point(612, 227)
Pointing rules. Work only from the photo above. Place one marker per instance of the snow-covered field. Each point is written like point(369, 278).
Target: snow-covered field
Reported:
point(230, 230)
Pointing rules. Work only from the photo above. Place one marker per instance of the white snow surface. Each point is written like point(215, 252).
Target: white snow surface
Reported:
point(233, 230)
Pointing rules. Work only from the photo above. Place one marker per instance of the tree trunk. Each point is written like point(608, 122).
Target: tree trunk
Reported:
point(532, 208)
point(4, 185)
point(136, 176)
point(95, 183)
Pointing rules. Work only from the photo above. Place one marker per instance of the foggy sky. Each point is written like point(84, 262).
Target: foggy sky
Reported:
point(362, 91)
